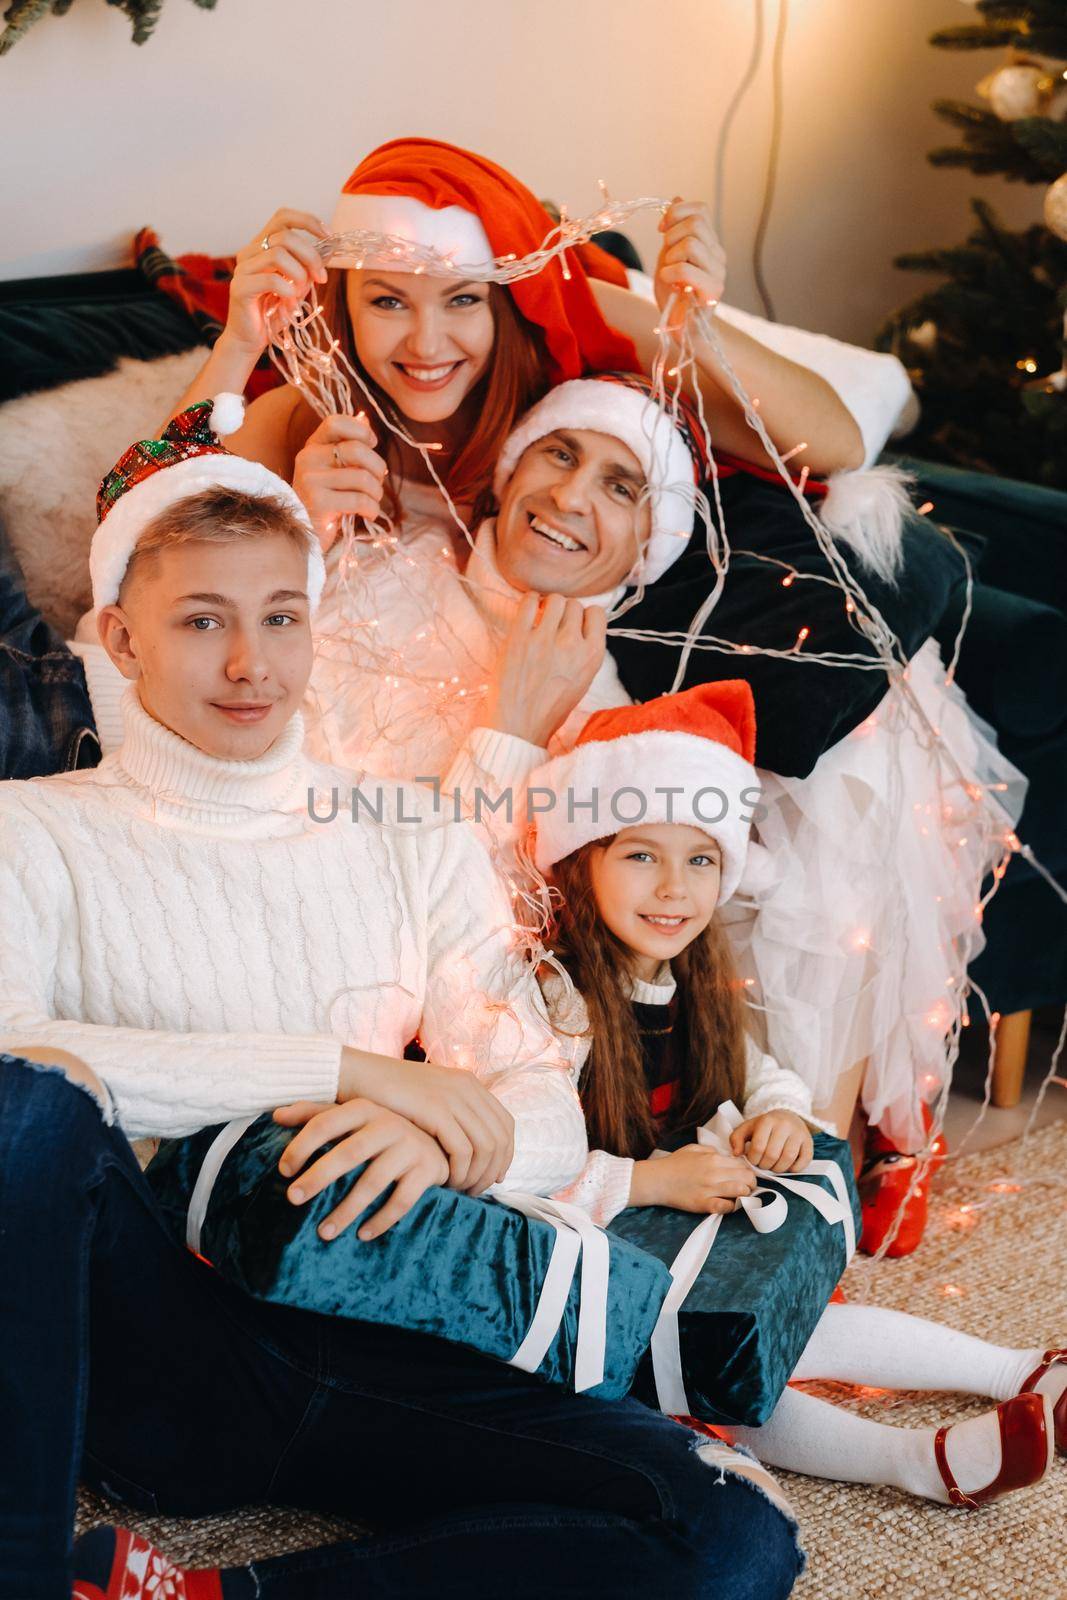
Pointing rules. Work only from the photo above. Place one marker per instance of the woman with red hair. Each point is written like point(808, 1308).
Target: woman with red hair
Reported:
point(457, 362)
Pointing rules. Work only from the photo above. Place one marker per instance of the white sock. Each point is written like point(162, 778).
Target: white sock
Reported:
point(804, 1434)
point(891, 1350)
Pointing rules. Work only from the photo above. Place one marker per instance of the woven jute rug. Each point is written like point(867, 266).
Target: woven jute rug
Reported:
point(994, 1263)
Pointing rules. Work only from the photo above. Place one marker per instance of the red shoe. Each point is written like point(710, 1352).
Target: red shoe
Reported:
point(884, 1183)
point(1052, 1358)
point(1027, 1445)
point(885, 1180)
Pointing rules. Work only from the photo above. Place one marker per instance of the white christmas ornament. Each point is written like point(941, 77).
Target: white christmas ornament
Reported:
point(1019, 90)
point(1055, 207)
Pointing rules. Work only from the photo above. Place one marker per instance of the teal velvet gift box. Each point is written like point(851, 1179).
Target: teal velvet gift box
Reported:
point(724, 1348)
point(472, 1271)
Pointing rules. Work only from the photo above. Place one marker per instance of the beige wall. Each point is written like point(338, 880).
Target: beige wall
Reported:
point(223, 115)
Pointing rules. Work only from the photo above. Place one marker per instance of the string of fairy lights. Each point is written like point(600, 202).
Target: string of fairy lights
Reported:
point(312, 359)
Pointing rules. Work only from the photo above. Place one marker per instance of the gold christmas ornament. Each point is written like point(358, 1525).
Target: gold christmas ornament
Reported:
point(924, 335)
point(1055, 207)
point(1020, 89)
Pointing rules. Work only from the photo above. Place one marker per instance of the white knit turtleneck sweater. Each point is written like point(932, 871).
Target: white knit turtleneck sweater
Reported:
point(184, 926)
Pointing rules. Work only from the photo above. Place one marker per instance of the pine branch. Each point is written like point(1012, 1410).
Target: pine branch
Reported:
point(1045, 142)
point(143, 14)
point(973, 36)
point(20, 16)
point(990, 145)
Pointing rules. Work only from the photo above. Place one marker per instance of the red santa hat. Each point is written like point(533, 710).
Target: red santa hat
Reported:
point(187, 458)
point(435, 194)
point(684, 758)
point(666, 443)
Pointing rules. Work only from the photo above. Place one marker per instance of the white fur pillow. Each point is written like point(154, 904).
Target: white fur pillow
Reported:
point(54, 449)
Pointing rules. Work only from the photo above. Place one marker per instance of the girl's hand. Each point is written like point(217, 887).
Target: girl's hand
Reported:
point(280, 274)
point(339, 472)
point(550, 656)
point(396, 1152)
point(779, 1141)
point(468, 1122)
point(694, 1178)
point(690, 257)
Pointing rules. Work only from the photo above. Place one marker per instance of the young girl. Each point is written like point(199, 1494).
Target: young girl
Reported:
point(655, 993)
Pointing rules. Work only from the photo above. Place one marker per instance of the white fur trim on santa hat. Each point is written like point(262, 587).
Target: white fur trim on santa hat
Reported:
point(605, 785)
point(116, 538)
point(450, 230)
point(637, 421)
point(866, 509)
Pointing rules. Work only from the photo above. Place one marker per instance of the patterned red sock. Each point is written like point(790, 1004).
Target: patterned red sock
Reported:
point(113, 1564)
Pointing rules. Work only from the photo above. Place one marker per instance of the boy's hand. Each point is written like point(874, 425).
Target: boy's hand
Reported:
point(396, 1152)
point(694, 1178)
point(779, 1141)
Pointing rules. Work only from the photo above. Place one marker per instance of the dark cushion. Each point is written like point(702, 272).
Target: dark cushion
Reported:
point(802, 707)
point(55, 330)
point(1012, 662)
point(1017, 531)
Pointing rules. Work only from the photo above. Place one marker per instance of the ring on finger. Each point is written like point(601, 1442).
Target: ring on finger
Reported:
point(264, 243)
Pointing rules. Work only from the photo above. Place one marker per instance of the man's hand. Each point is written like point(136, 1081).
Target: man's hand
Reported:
point(694, 1178)
point(474, 1130)
point(396, 1152)
point(779, 1141)
point(549, 658)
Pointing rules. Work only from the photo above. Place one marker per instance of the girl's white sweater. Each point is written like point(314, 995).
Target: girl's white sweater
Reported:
point(603, 1186)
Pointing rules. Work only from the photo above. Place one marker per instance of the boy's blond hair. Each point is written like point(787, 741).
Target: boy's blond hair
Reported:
point(215, 516)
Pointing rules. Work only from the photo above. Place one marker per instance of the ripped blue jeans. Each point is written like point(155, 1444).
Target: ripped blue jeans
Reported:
point(46, 718)
point(126, 1361)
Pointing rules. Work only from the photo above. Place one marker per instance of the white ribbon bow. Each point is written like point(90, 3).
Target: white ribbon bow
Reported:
point(765, 1218)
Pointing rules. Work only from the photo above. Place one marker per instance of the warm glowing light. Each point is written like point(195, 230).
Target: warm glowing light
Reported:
point(926, 507)
point(952, 1290)
point(789, 579)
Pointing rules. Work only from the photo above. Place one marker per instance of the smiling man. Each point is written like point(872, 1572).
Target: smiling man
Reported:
point(467, 679)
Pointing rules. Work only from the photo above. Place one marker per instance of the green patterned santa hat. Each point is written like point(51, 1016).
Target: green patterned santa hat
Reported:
point(187, 458)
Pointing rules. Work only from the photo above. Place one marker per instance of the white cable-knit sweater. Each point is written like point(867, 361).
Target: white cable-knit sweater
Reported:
point(603, 1186)
point(184, 926)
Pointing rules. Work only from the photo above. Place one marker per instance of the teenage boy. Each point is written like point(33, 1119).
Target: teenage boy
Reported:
point(182, 942)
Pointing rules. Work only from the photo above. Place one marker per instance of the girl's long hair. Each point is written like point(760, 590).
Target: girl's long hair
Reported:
point(614, 1092)
point(514, 379)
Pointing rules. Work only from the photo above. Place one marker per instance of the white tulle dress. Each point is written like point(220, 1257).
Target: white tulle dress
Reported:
point(858, 948)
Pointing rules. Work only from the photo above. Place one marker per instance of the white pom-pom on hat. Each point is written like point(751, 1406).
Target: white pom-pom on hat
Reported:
point(227, 414)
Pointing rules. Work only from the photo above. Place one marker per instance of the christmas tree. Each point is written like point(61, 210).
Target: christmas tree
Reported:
point(987, 349)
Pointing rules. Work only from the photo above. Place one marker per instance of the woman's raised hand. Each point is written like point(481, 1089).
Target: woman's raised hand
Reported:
point(547, 662)
point(690, 258)
point(338, 473)
point(277, 268)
